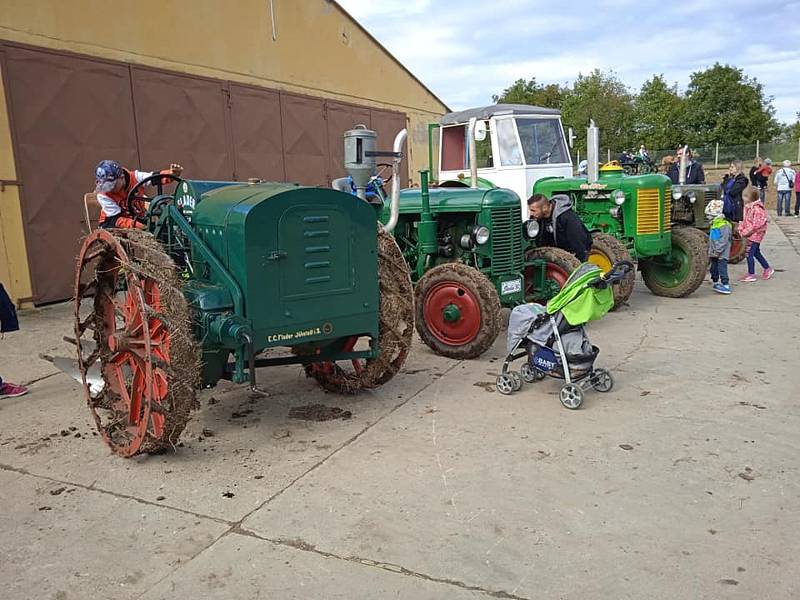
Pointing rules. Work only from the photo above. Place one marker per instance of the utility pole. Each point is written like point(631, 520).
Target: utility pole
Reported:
point(758, 144)
point(716, 157)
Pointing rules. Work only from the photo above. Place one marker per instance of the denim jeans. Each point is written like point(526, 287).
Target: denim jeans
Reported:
point(753, 255)
point(784, 199)
point(719, 270)
point(762, 193)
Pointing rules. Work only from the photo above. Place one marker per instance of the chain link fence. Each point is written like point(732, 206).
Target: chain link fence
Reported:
point(718, 155)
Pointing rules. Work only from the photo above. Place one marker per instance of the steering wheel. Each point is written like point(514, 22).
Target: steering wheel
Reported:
point(136, 198)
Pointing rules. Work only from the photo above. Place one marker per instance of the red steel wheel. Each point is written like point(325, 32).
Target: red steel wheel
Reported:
point(141, 337)
point(559, 264)
point(452, 312)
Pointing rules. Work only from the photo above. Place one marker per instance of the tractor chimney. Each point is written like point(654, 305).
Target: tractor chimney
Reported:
point(592, 152)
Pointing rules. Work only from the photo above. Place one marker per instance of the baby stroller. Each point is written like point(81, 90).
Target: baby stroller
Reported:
point(553, 340)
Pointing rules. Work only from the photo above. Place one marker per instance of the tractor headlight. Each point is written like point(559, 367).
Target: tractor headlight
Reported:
point(619, 197)
point(692, 197)
point(614, 211)
point(466, 242)
point(481, 234)
point(676, 194)
point(530, 228)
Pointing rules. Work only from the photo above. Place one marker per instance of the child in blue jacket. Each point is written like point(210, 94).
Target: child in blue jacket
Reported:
point(719, 246)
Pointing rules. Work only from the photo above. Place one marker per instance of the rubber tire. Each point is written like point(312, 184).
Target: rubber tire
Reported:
point(480, 287)
point(695, 243)
point(616, 251)
point(602, 375)
point(504, 384)
point(560, 258)
point(528, 373)
point(573, 390)
point(517, 379)
point(740, 245)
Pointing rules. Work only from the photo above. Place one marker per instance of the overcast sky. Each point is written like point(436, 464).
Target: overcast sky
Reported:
point(467, 50)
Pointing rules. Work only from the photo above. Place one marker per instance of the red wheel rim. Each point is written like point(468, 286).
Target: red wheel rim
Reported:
point(332, 371)
point(556, 273)
point(136, 342)
point(551, 271)
point(458, 332)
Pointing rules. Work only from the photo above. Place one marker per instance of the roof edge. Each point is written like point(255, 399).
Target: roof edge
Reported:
point(389, 54)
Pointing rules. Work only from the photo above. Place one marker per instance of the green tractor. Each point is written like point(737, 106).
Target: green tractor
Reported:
point(469, 253)
point(630, 217)
point(229, 277)
point(689, 202)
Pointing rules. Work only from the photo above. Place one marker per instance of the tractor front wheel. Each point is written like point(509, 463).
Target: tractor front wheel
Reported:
point(738, 248)
point(457, 311)
point(131, 317)
point(395, 326)
point(559, 264)
point(683, 273)
point(606, 250)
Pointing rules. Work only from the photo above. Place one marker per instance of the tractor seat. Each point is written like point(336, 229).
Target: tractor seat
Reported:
point(91, 212)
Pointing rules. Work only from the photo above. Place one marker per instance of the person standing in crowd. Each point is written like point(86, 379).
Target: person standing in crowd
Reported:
point(720, 237)
point(753, 175)
point(694, 169)
point(797, 194)
point(763, 178)
point(8, 323)
point(754, 228)
point(784, 182)
point(733, 184)
point(643, 154)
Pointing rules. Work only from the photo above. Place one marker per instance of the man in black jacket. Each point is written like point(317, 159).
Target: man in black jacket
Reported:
point(8, 322)
point(559, 225)
point(694, 169)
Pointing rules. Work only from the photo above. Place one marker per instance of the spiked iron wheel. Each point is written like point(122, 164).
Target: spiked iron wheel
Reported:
point(396, 327)
point(128, 296)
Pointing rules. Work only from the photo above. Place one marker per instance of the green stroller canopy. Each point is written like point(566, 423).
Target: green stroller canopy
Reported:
point(579, 301)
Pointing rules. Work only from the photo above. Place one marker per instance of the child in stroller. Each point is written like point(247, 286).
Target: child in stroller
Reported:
point(553, 339)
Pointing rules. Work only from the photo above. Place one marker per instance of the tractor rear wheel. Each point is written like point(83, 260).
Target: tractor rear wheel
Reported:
point(559, 265)
point(606, 250)
point(738, 248)
point(457, 311)
point(132, 317)
point(395, 327)
point(686, 270)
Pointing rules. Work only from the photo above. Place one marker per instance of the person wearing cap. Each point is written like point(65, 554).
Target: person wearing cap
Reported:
point(583, 167)
point(784, 182)
point(113, 183)
point(720, 236)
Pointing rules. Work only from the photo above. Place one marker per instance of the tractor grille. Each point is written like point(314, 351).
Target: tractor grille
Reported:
point(506, 240)
point(666, 217)
point(648, 215)
point(709, 195)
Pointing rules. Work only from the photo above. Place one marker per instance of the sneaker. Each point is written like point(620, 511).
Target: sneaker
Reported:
point(12, 390)
point(768, 272)
point(796, 216)
point(721, 288)
point(749, 277)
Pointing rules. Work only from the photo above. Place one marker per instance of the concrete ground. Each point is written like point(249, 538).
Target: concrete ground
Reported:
point(682, 482)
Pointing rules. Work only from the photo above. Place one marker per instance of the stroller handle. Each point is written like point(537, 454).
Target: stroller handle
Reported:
point(619, 270)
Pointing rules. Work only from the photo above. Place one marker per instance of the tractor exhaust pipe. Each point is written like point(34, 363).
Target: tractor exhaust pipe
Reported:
point(592, 152)
point(473, 154)
point(397, 149)
point(682, 167)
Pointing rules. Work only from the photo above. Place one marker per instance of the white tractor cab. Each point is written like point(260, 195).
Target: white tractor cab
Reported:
point(513, 146)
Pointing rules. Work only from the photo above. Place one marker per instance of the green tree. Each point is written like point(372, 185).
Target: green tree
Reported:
point(725, 106)
point(604, 98)
point(531, 92)
point(658, 115)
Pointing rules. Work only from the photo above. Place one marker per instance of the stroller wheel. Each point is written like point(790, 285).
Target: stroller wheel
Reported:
point(530, 374)
point(571, 396)
point(602, 380)
point(516, 379)
point(505, 384)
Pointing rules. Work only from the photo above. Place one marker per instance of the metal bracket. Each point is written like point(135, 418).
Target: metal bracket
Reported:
point(5, 182)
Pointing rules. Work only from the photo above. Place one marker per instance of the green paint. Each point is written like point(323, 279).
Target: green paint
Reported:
point(451, 313)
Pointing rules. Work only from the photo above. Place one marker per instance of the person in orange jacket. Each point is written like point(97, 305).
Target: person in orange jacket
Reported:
point(113, 184)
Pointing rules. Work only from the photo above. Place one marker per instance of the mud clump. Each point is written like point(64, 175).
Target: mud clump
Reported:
point(318, 412)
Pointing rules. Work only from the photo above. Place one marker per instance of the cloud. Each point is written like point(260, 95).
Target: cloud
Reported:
point(467, 51)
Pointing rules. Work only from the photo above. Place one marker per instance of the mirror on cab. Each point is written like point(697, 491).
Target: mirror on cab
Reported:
point(480, 131)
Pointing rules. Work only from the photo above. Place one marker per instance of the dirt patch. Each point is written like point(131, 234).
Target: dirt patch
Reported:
point(318, 412)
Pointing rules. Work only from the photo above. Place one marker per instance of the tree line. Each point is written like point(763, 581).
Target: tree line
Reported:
point(720, 105)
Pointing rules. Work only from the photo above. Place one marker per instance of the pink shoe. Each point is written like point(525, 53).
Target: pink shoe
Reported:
point(748, 277)
point(768, 272)
point(12, 390)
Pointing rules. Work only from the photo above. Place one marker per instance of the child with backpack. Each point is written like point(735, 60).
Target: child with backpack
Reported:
point(719, 246)
point(754, 228)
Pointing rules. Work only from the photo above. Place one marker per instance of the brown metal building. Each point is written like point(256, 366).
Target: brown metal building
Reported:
point(69, 104)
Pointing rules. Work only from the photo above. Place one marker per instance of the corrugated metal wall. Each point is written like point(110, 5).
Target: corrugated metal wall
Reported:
point(68, 112)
